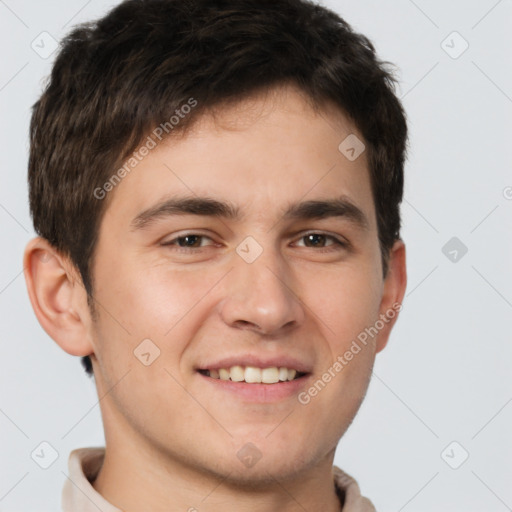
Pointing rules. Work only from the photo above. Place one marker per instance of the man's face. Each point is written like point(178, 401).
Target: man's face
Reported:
point(263, 285)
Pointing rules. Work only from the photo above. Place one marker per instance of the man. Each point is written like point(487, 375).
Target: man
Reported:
point(216, 186)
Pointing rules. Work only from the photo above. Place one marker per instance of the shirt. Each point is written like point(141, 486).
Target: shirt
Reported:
point(78, 494)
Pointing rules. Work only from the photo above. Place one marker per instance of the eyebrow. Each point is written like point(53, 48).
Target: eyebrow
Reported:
point(210, 207)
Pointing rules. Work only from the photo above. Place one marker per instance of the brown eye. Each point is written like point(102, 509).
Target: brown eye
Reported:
point(188, 241)
point(314, 240)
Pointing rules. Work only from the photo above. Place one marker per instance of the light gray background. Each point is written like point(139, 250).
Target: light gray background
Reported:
point(444, 376)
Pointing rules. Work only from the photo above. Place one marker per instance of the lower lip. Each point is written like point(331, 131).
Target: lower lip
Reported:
point(261, 393)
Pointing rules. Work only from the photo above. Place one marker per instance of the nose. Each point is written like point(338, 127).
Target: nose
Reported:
point(260, 296)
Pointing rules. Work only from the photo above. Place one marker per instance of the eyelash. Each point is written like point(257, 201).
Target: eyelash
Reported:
point(338, 242)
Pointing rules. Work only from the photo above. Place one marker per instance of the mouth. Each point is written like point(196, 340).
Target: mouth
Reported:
point(250, 384)
point(253, 374)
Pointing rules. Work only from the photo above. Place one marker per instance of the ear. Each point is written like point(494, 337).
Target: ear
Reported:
point(393, 293)
point(58, 297)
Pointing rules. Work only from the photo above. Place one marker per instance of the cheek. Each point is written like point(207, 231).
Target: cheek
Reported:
point(150, 300)
point(345, 302)
point(164, 305)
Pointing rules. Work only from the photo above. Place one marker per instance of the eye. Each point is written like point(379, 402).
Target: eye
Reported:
point(188, 241)
point(318, 240)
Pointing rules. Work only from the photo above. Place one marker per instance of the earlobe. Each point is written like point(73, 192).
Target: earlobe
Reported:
point(395, 284)
point(57, 296)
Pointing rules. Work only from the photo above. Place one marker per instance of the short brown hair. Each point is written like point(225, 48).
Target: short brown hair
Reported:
point(116, 79)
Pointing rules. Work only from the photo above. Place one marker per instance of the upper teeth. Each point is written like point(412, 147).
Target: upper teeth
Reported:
point(254, 375)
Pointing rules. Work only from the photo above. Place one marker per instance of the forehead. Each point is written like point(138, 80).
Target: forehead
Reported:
point(261, 154)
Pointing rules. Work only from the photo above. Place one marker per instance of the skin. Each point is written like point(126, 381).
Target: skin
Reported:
point(172, 438)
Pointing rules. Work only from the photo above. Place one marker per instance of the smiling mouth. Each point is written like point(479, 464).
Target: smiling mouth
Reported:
point(254, 375)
